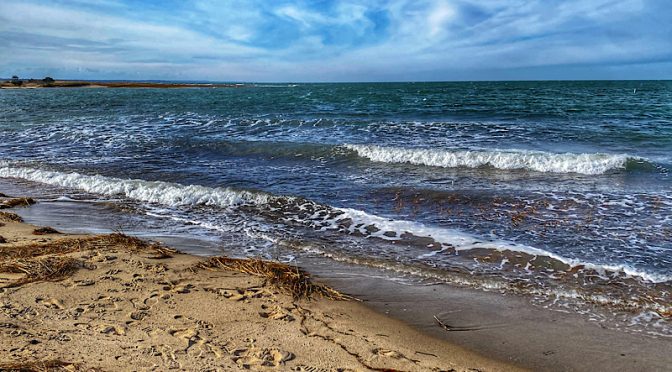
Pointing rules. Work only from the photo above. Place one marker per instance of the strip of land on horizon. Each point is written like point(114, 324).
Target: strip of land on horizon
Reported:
point(51, 83)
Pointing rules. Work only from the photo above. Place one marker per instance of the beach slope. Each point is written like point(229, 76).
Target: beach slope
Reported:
point(113, 302)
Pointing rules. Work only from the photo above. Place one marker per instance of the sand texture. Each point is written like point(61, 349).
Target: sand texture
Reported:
point(116, 303)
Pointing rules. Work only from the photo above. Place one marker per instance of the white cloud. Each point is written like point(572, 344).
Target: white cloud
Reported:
point(440, 14)
point(239, 40)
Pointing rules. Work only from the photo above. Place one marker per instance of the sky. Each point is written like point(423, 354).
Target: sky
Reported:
point(323, 41)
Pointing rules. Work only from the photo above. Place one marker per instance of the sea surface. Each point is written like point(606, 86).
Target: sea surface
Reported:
point(558, 191)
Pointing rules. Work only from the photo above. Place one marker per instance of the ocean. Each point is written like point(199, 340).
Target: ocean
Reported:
point(557, 191)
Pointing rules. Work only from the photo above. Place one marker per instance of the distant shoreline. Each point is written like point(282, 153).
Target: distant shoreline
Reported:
point(35, 84)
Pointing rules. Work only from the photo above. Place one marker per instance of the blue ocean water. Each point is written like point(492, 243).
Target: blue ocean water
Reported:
point(555, 189)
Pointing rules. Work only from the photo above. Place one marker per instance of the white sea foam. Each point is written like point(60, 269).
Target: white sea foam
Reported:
point(165, 193)
point(325, 217)
point(461, 241)
point(595, 163)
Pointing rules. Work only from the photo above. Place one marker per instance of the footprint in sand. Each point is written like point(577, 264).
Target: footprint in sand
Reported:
point(25, 314)
point(176, 286)
point(137, 315)
point(139, 305)
point(50, 303)
point(189, 335)
point(111, 329)
point(182, 288)
point(241, 294)
point(305, 368)
point(13, 330)
point(393, 354)
point(254, 357)
point(195, 343)
point(85, 282)
point(389, 353)
point(152, 300)
point(102, 303)
point(202, 324)
point(168, 356)
point(62, 337)
point(276, 313)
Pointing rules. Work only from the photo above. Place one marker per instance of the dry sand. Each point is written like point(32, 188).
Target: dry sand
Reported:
point(120, 304)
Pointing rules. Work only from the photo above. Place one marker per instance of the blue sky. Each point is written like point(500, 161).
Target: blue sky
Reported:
point(354, 40)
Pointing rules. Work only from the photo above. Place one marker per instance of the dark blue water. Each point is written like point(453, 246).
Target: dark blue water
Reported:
point(564, 186)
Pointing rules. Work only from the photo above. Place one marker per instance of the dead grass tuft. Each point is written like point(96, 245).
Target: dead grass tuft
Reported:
point(17, 202)
point(10, 217)
point(40, 366)
point(287, 279)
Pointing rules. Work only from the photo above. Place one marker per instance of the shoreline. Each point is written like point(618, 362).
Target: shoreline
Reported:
point(508, 329)
point(120, 301)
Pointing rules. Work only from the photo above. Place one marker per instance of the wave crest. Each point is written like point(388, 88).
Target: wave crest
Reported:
point(588, 163)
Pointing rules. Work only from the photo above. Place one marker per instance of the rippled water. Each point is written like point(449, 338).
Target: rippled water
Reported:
point(560, 190)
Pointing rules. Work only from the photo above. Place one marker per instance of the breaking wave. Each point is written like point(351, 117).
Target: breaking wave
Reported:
point(590, 164)
point(295, 210)
point(165, 193)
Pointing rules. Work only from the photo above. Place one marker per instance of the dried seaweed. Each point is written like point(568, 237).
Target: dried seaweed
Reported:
point(287, 279)
point(17, 202)
point(45, 231)
point(136, 245)
point(48, 261)
point(162, 252)
point(10, 217)
point(44, 269)
point(69, 245)
point(40, 366)
point(59, 247)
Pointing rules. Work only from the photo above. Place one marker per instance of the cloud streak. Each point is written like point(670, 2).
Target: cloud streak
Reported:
point(356, 40)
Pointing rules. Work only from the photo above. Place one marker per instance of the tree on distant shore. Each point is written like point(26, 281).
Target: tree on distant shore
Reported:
point(16, 81)
point(48, 80)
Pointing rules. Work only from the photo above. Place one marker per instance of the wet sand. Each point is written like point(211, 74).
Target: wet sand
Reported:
point(121, 304)
point(509, 328)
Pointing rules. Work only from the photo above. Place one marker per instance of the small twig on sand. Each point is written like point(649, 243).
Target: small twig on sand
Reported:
point(454, 329)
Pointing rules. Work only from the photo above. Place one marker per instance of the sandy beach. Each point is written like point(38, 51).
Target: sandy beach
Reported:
point(113, 302)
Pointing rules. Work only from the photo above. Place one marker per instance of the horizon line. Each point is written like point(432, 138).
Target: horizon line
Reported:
point(335, 82)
